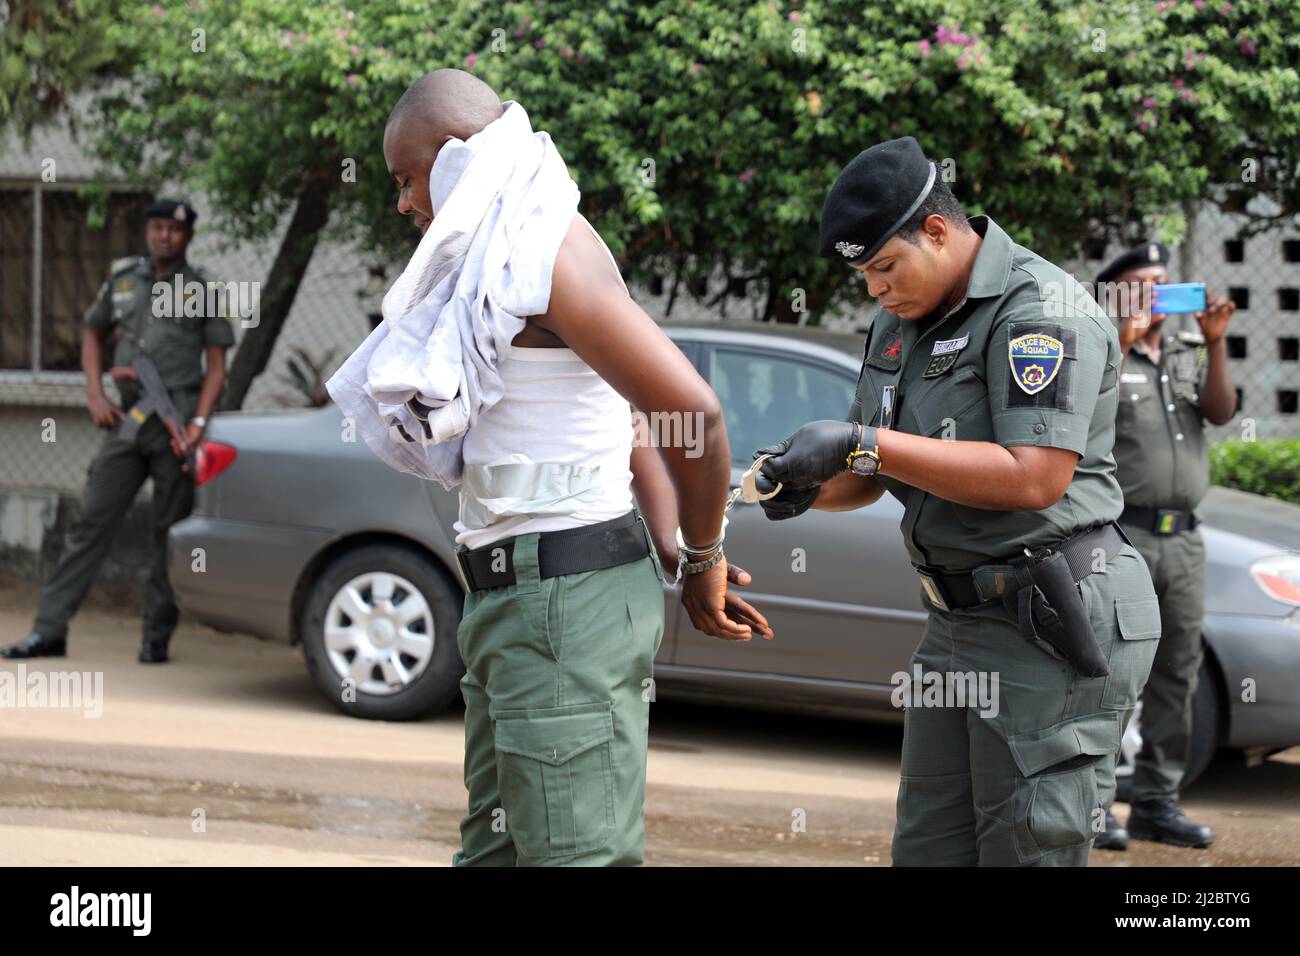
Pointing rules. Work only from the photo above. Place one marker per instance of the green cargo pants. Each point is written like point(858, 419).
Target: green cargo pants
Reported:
point(557, 688)
point(115, 475)
point(1177, 563)
point(1023, 782)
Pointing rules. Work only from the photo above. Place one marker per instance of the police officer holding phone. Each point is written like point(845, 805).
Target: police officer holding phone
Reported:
point(986, 405)
point(1171, 385)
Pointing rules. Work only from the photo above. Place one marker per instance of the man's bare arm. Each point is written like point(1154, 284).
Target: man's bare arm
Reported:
point(592, 314)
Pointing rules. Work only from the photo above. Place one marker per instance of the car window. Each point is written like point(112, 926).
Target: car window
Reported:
point(766, 397)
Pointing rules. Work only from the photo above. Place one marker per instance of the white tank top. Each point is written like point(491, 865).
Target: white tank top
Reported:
point(554, 453)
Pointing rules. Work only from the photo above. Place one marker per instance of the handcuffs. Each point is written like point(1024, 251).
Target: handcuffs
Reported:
point(747, 492)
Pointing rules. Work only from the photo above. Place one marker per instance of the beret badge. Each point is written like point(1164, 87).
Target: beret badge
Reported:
point(849, 250)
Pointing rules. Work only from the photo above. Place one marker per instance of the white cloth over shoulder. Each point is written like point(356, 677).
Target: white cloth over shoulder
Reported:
point(503, 201)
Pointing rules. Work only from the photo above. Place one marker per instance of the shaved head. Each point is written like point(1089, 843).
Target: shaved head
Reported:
point(447, 103)
point(439, 106)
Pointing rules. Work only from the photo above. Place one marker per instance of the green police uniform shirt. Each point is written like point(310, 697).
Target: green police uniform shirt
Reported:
point(1161, 457)
point(176, 337)
point(1027, 358)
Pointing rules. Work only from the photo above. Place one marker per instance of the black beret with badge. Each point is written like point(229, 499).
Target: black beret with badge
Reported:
point(875, 194)
point(174, 209)
point(1147, 254)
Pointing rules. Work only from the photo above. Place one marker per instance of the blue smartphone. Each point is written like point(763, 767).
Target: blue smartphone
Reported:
point(1177, 298)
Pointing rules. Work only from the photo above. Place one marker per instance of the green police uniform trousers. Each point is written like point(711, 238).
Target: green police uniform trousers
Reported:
point(1177, 563)
point(1027, 786)
point(115, 475)
point(557, 687)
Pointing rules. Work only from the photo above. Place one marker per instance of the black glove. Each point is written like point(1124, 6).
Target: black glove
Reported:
point(786, 503)
point(814, 454)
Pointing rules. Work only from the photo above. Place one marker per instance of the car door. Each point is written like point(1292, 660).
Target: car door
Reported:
point(836, 587)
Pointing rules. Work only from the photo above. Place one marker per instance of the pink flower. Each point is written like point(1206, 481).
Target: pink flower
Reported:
point(470, 61)
point(1142, 127)
point(1225, 9)
point(519, 31)
point(1185, 94)
point(693, 69)
point(1199, 4)
point(794, 16)
point(352, 78)
point(156, 10)
point(924, 47)
point(1160, 7)
point(746, 176)
point(1246, 45)
point(963, 61)
point(351, 16)
point(1148, 102)
point(539, 42)
point(355, 51)
point(1178, 84)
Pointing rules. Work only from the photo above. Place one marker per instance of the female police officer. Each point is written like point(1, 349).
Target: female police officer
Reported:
point(986, 405)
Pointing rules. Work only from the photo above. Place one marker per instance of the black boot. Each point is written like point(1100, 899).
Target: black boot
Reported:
point(1163, 822)
point(33, 645)
point(153, 652)
point(1114, 837)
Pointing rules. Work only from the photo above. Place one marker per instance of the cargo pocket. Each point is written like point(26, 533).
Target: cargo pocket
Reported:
point(1131, 656)
point(1056, 798)
point(556, 776)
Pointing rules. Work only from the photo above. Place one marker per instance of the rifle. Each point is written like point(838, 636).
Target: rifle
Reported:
point(153, 400)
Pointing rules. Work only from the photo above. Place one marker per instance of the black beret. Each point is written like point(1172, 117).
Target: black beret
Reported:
point(1147, 254)
point(874, 195)
point(172, 209)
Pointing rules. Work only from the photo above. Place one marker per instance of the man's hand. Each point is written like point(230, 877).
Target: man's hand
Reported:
point(814, 454)
point(179, 440)
point(103, 412)
point(716, 610)
point(1214, 320)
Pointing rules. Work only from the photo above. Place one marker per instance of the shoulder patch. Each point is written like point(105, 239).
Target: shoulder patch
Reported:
point(1041, 355)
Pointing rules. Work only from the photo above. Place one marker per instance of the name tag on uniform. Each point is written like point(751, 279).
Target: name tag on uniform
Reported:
point(944, 355)
point(1133, 378)
point(950, 345)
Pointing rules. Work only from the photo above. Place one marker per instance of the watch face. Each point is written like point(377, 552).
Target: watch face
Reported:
point(864, 465)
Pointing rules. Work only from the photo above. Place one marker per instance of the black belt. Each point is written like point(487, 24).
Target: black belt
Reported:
point(956, 591)
point(1159, 520)
point(589, 548)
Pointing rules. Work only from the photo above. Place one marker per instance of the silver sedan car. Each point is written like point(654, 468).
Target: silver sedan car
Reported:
point(300, 534)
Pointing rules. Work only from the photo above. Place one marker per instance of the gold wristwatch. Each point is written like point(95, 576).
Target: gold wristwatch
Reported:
point(864, 461)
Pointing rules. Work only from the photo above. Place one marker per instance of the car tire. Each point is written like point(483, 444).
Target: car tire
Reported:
point(437, 604)
point(1206, 712)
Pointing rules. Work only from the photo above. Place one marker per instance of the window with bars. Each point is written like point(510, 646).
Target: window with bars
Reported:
point(52, 264)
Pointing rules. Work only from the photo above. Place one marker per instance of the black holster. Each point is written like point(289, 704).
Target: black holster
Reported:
point(1050, 613)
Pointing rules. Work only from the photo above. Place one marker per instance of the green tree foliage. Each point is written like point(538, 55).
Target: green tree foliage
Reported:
point(705, 133)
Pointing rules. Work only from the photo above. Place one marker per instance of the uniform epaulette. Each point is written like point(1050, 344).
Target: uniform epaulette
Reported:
point(124, 264)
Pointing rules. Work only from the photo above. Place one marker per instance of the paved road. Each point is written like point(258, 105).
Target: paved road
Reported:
point(229, 756)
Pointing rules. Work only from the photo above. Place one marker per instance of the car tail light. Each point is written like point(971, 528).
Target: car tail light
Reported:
point(1279, 577)
point(212, 459)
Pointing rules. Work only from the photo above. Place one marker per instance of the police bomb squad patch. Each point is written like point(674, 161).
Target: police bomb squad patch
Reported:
point(1040, 356)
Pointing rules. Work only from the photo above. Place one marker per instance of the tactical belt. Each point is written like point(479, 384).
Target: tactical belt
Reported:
point(589, 548)
point(1159, 520)
point(988, 582)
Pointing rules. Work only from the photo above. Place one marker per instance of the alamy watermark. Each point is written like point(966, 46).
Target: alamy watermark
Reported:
point(56, 690)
